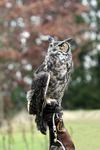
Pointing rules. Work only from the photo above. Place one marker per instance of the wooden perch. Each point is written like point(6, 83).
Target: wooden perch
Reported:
point(59, 136)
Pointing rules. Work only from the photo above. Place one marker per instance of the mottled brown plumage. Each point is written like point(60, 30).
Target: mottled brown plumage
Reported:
point(50, 79)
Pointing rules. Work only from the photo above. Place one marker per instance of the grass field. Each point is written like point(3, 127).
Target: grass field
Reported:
point(85, 134)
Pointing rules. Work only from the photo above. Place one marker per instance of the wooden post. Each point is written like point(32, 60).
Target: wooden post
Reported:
point(58, 135)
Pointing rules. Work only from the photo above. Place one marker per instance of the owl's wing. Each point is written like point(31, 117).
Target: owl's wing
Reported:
point(36, 96)
point(39, 69)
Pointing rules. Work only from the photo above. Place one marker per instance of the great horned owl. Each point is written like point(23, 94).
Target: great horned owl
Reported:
point(52, 77)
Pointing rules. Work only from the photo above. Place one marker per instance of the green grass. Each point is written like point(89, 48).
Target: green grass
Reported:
point(28, 142)
point(85, 134)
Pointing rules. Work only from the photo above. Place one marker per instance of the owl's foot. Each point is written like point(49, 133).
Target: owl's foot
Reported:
point(50, 101)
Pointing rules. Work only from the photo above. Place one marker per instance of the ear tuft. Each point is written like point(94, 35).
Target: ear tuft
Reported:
point(69, 40)
point(51, 39)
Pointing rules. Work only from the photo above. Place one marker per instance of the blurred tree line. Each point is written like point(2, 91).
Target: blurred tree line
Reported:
point(24, 26)
point(84, 91)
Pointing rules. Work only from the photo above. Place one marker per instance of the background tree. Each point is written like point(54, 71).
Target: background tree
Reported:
point(84, 90)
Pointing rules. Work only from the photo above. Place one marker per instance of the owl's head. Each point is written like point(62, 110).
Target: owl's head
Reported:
point(61, 46)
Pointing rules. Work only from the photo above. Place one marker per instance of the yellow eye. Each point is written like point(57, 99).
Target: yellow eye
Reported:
point(64, 47)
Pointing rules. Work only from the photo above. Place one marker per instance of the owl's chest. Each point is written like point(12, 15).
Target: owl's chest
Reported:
point(57, 66)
